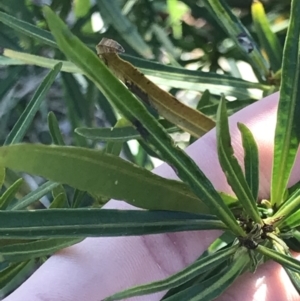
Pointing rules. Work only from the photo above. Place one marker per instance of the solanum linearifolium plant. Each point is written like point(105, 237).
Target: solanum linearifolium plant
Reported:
point(254, 230)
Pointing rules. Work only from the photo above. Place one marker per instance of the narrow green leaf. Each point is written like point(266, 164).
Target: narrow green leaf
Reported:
point(77, 198)
point(9, 273)
point(80, 223)
point(188, 273)
point(231, 167)
point(28, 29)
point(11, 177)
point(267, 38)
point(230, 200)
point(20, 128)
point(215, 272)
point(34, 195)
point(163, 38)
point(194, 79)
point(54, 130)
point(28, 250)
point(221, 242)
point(120, 134)
point(286, 261)
point(9, 194)
point(60, 201)
point(250, 160)
point(100, 173)
point(2, 175)
point(213, 287)
point(115, 147)
point(9, 81)
point(74, 110)
point(135, 111)
point(292, 221)
point(163, 75)
point(77, 98)
point(239, 34)
point(111, 12)
point(293, 241)
point(204, 100)
point(286, 137)
point(288, 208)
point(294, 278)
point(176, 11)
point(19, 58)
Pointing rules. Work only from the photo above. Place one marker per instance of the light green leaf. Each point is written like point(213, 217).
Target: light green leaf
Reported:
point(231, 167)
point(34, 195)
point(286, 210)
point(9, 273)
point(120, 134)
point(9, 194)
point(250, 160)
point(160, 74)
point(59, 201)
point(101, 174)
point(286, 261)
point(267, 38)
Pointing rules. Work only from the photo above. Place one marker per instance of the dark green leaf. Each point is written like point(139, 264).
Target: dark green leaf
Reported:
point(55, 133)
point(111, 12)
point(217, 284)
point(28, 29)
point(80, 223)
point(287, 127)
point(74, 105)
point(20, 128)
point(34, 249)
point(193, 270)
point(196, 80)
point(204, 100)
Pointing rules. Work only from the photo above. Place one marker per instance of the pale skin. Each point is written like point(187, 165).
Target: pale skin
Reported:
point(98, 267)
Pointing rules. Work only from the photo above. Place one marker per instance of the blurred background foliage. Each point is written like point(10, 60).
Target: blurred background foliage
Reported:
point(182, 45)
